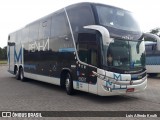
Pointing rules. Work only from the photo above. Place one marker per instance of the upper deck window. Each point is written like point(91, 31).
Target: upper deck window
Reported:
point(116, 18)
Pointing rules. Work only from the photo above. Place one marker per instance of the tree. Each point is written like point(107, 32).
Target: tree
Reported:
point(155, 31)
point(3, 53)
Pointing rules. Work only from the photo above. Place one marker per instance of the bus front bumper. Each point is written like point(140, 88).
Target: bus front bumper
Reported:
point(108, 86)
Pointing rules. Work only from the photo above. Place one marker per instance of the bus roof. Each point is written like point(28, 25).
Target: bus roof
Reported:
point(67, 7)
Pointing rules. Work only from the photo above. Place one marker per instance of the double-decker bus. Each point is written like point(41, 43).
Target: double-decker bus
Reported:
point(152, 46)
point(89, 47)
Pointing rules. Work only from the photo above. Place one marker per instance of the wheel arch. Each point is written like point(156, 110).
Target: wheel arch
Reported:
point(20, 67)
point(15, 68)
point(63, 75)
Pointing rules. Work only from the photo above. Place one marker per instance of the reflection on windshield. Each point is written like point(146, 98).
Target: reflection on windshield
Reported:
point(116, 18)
point(127, 55)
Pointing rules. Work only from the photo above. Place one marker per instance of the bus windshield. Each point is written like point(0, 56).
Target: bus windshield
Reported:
point(116, 18)
point(126, 55)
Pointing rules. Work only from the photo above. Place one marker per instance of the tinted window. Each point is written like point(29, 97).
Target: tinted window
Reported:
point(80, 16)
point(126, 55)
point(13, 37)
point(33, 31)
point(25, 33)
point(87, 48)
point(18, 37)
point(59, 25)
point(150, 49)
point(44, 28)
point(116, 18)
point(60, 33)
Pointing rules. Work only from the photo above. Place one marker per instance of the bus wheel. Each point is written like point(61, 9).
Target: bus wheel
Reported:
point(69, 84)
point(21, 74)
point(17, 74)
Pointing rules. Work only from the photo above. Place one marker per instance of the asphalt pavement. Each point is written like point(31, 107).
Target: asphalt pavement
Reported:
point(38, 96)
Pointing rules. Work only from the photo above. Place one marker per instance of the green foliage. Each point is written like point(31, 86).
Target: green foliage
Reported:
point(3, 53)
point(3, 62)
point(149, 39)
point(155, 31)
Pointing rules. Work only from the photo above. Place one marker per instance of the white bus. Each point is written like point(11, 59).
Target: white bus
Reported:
point(152, 46)
point(89, 47)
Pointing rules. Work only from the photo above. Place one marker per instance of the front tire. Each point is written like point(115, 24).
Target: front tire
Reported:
point(69, 84)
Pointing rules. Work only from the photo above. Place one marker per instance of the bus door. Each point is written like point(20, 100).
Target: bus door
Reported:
point(93, 60)
point(10, 53)
point(88, 53)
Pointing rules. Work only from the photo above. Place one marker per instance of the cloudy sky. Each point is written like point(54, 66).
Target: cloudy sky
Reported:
point(15, 14)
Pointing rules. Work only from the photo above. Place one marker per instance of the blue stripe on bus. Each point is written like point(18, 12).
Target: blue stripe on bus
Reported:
point(29, 66)
point(153, 60)
point(18, 56)
point(67, 50)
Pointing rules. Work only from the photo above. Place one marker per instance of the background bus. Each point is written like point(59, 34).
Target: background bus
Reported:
point(152, 45)
point(90, 47)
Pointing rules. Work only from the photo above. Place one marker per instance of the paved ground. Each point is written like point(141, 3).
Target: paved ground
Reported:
point(38, 96)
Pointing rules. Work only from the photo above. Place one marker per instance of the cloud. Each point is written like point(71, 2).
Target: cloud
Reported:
point(15, 14)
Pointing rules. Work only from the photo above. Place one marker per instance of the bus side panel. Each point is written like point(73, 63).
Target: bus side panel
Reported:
point(153, 68)
point(52, 80)
point(152, 57)
point(52, 51)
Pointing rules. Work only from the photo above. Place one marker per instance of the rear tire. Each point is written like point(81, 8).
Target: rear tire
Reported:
point(17, 74)
point(21, 75)
point(69, 84)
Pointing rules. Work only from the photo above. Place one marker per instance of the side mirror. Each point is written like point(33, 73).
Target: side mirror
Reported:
point(137, 46)
point(104, 32)
point(11, 43)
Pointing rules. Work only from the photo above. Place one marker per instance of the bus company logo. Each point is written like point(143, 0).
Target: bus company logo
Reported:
point(128, 37)
point(43, 45)
point(18, 55)
point(117, 76)
point(6, 114)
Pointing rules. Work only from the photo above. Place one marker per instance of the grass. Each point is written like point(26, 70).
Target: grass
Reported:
point(3, 62)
